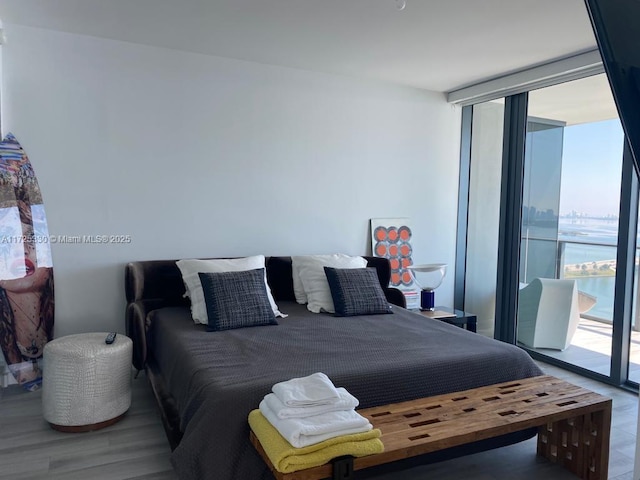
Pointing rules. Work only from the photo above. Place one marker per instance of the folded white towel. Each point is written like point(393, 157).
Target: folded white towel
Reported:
point(346, 402)
point(302, 432)
point(309, 391)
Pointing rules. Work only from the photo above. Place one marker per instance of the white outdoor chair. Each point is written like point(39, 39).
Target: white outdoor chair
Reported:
point(548, 313)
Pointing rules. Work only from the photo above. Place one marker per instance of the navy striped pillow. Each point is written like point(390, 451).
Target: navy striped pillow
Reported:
point(236, 299)
point(356, 291)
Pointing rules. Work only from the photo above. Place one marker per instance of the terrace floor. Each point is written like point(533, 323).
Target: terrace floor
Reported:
point(591, 349)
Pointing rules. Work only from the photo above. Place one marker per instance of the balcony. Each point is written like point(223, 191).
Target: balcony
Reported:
point(593, 267)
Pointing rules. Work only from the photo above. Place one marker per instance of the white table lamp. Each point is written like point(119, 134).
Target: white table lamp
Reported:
point(428, 277)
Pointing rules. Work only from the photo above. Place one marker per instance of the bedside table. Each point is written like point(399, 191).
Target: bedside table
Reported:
point(462, 319)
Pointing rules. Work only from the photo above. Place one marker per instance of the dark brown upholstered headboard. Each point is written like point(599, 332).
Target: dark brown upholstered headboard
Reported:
point(154, 284)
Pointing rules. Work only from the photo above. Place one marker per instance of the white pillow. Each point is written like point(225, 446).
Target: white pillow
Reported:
point(298, 288)
point(191, 267)
point(310, 268)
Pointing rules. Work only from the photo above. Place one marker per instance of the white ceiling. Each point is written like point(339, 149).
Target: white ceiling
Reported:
point(438, 45)
point(581, 101)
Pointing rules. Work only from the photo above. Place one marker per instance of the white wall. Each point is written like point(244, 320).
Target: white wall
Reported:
point(203, 156)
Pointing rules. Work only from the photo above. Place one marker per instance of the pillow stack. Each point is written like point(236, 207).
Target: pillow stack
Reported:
point(338, 284)
point(310, 283)
point(229, 293)
point(307, 421)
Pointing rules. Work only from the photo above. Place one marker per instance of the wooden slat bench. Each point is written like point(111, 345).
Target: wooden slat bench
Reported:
point(573, 425)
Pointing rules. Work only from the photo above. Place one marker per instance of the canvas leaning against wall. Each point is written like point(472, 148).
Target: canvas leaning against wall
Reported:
point(391, 238)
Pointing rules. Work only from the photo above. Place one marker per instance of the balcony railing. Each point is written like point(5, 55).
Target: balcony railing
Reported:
point(591, 264)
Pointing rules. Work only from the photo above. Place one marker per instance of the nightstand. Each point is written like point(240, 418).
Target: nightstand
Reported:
point(462, 319)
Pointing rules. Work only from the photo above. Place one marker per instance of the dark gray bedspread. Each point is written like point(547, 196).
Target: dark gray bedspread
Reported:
point(217, 378)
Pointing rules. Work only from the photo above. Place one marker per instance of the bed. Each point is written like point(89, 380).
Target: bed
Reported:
point(207, 382)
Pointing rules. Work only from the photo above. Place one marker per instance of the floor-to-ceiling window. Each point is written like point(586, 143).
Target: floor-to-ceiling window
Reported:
point(568, 220)
point(483, 212)
point(571, 203)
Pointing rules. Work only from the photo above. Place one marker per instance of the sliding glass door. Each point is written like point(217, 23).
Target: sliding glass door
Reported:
point(571, 204)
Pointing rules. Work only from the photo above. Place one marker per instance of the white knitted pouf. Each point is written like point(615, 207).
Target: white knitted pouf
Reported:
point(86, 384)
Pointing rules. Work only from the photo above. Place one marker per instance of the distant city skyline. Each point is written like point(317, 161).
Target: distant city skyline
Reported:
point(533, 215)
point(577, 215)
point(592, 168)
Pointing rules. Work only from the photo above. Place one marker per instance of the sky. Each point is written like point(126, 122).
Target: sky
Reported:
point(592, 168)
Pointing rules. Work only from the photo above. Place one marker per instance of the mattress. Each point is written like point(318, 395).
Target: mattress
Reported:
point(217, 378)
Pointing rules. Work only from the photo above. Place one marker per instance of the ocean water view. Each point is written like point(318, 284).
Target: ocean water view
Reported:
point(603, 289)
point(588, 241)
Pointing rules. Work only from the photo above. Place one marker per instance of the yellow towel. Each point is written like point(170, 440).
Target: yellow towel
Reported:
point(287, 459)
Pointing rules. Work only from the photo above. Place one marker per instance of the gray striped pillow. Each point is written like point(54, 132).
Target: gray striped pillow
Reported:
point(236, 299)
point(356, 291)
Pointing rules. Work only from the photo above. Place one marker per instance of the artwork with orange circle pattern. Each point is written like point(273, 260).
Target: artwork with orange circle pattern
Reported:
point(391, 238)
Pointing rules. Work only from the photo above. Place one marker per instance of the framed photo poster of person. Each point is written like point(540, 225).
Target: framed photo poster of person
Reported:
point(26, 272)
